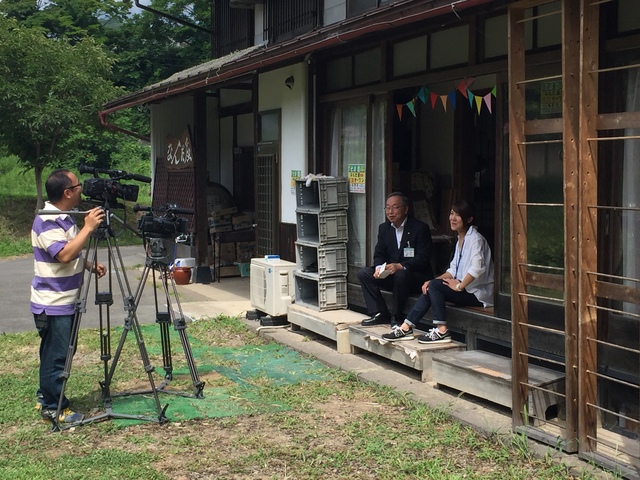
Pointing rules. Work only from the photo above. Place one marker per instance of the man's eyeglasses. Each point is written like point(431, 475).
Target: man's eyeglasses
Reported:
point(73, 186)
point(388, 208)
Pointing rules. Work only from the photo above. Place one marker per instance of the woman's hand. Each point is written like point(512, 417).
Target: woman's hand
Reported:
point(452, 283)
point(425, 287)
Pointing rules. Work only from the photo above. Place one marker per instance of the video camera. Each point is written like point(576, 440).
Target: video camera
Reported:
point(110, 189)
point(165, 226)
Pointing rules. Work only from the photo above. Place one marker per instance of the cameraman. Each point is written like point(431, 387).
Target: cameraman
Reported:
point(58, 270)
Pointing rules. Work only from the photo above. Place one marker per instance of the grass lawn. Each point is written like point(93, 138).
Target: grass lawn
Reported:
point(268, 413)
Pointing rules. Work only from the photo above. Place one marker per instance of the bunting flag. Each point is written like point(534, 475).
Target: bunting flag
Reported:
point(411, 106)
point(443, 99)
point(478, 103)
point(487, 101)
point(423, 93)
point(452, 99)
point(475, 101)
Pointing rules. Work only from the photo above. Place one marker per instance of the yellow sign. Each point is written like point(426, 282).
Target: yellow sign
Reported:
point(357, 176)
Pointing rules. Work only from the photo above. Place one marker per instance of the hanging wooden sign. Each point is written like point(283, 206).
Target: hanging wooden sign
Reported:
point(179, 152)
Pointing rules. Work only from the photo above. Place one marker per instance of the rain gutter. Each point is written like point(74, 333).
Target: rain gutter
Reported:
point(288, 50)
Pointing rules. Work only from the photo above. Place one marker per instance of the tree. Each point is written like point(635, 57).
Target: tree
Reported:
point(50, 93)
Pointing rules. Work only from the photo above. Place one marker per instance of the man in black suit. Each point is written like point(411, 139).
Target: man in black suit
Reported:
point(401, 262)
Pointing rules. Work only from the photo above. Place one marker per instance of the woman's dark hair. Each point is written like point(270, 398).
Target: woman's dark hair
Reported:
point(465, 210)
point(56, 184)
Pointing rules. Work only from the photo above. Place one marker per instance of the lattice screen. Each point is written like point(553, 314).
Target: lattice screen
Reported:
point(174, 187)
point(265, 214)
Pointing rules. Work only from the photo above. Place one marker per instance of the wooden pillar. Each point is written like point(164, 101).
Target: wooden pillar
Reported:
point(203, 272)
point(518, 196)
point(588, 248)
point(571, 138)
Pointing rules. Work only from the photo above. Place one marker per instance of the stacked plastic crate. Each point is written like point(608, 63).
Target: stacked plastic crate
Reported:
point(321, 248)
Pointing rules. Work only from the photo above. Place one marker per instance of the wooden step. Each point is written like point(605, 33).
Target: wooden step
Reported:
point(406, 352)
point(332, 324)
point(488, 376)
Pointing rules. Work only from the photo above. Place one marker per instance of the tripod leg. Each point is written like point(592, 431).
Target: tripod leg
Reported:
point(163, 319)
point(180, 326)
point(131, 323)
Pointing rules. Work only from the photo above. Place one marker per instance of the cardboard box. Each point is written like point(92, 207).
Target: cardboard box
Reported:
point(216, 220)
point(220, 228)
point(245, 251)
point(227, 271)
point(226, 252)
point(219, 206)
point(240, 222)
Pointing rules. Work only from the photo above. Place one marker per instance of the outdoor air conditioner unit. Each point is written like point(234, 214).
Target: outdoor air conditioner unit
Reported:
point(272, 285)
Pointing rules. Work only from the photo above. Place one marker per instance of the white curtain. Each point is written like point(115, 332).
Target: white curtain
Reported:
point(349, 146)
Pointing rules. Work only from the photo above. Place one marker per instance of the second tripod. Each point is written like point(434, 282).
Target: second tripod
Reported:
point(157, 261)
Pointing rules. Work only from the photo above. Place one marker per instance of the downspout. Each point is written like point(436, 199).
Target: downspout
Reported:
point(110, 126)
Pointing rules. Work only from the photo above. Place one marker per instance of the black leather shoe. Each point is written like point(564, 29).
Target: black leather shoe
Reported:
point(379, 318)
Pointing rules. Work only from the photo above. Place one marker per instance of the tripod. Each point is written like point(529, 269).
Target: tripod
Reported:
point(104, 300)
point(157, 260)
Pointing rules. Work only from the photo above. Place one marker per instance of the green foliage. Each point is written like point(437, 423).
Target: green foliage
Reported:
point(50, 92)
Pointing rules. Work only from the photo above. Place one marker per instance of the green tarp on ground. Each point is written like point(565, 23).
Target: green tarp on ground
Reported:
point(235, 379)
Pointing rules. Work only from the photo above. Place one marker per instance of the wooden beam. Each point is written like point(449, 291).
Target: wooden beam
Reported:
point(539, 127)
point(588, 228)
point(200, 184)
point(571, 135)
point(618, 121)
point(612, 291)
point(518, 196)
point(545, 280)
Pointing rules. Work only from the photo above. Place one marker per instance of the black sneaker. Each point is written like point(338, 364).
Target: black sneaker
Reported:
point(66, 416)
point(39, 401)
point(434, 336)
point(397, 334)
point(379, 318)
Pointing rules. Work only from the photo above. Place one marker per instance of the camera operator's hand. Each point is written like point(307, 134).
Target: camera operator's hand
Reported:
point(99, 268)
point(94, 218)
point(92, 221)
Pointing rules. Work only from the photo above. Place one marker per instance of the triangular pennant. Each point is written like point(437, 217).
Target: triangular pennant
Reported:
point(452, 99)
point(487, 101)
point(469, 81)
point(478, 104)
point(443, 99)
point(399, 109)
point(434, 98)
point(470, 96)
point(412, 106)
point(494, 91)
point(462, 88)
point(422, 94)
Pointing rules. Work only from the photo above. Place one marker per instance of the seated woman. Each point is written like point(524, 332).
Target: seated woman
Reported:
point(468, 281)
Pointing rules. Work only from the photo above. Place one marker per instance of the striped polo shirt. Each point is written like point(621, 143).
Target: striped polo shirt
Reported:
point(55, 285)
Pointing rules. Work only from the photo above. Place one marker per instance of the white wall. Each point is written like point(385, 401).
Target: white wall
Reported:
point(274, 95)
point(170, 117)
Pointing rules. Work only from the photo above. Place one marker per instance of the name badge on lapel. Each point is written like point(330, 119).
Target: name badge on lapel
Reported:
point(408, 251)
